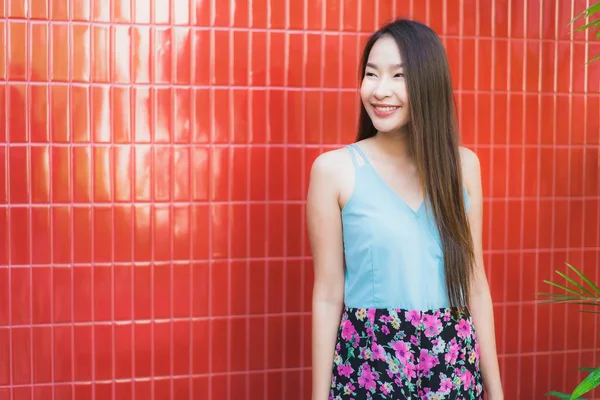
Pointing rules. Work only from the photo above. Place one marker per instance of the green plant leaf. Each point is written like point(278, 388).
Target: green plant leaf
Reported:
point(594, 8)
point(577, 303)
point(572, 282)
point(586, 369)
point(589, 383)
point(564, 299)
point(559, 395)
point(581, 274)
point(558, 285)
point(560, 299)
point(593, 24)
point(590, 311)
point(581, 14)
point(585, 303)
point(555, 301)
point(567, 297)
point(546, 294)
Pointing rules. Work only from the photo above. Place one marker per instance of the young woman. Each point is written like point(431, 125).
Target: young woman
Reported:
point(401, 304)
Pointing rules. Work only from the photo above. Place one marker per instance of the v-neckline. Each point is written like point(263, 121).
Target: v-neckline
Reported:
point(387, 186)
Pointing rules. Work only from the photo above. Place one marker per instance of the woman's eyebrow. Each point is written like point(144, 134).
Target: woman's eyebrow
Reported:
point(371, 65)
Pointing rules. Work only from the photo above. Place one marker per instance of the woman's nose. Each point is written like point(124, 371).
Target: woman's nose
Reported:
point(383, 89)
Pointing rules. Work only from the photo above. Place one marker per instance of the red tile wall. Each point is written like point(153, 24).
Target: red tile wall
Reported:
point(153, 166)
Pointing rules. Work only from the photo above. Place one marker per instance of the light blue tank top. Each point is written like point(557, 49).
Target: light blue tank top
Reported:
point(393, 253)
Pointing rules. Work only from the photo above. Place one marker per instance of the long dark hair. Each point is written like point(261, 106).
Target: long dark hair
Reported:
point(433, 141)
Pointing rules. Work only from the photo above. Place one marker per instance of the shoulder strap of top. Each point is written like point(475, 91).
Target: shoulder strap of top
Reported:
point(358, 156)
point(352, 152)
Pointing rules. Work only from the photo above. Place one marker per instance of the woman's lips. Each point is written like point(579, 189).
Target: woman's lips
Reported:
point(383, 110)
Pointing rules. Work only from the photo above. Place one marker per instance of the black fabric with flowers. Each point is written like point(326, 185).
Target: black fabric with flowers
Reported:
point(403, 354)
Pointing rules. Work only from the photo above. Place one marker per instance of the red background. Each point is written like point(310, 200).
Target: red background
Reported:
point(153, 166)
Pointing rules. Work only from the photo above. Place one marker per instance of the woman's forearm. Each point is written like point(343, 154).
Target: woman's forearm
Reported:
point(483, 319)
point(326, 318)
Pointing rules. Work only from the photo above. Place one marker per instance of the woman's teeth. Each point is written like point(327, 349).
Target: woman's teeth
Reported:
point(380, 108)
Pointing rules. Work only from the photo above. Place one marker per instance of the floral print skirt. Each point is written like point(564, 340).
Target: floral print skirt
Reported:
point(403, 354)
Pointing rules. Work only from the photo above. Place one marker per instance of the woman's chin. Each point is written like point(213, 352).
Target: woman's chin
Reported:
point(391, 129)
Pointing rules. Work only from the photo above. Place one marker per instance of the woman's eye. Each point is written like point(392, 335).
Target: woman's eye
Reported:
point(369, 74)
point(399, 75)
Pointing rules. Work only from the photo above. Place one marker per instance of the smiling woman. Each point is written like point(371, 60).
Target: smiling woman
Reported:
point(401, 303)
point(383, 88)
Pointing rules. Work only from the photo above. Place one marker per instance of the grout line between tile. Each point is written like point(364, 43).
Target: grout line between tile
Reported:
point(71, 209)
point(144, 146)
point(172, 185)
point(50, 167)
point(268, 238)
point(584, 178)
point(223, 87)
point(132, 209)
point(303, 164)
point(29, 184)
point(212, 68)
point(538, 193)
point(554, 135)
point(131, 265)
point(213, 16)
point(260, 371)
point(522, 194)
point(585, 140)
point(491, 155)
point(228, 27)
point(223, 317)
point(8, 168)
point(569, 169)
point(340, 74)
point(583, 211)
point(491, 180)
point(248, 219)
point(298, 258)
point(152, 209)
point(505, 310)
point(112, 186)
point(230, 178)
point(192, 234)
point(92, 213)
point(286, 62)
point(461, 27)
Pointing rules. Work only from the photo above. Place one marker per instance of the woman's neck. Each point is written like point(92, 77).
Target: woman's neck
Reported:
point(394, 144)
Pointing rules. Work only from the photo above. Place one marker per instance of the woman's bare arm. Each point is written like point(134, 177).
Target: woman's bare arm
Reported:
point(481, 301)
point(325, 235)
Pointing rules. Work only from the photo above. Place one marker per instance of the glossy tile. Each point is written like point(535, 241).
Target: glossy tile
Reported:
point(40, 36)
point(16, 52)
point(122, 11)
point(59, 34)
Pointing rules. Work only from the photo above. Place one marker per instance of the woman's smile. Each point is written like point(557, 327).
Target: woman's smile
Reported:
point(384, 110)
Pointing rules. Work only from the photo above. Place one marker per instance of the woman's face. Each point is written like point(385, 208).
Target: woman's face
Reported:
point(383, 89)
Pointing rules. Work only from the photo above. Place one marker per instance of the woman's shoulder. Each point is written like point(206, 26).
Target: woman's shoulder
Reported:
point(467, 154)
point(334, 168)
point(332, 163)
